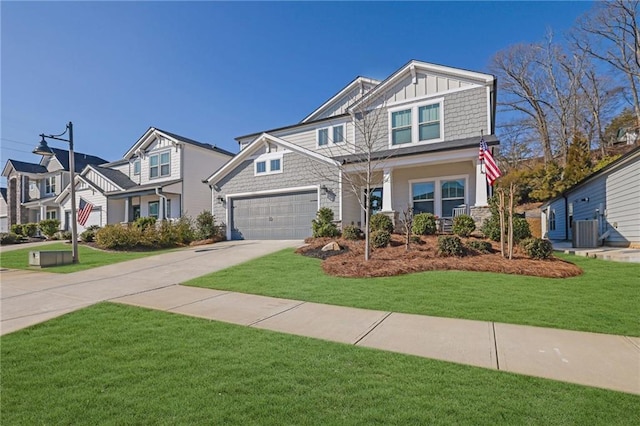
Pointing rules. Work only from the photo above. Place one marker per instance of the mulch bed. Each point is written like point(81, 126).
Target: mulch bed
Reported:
point(395, 260)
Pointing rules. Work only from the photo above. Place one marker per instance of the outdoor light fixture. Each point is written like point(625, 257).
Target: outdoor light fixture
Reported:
point(43, 149)
point(323, 189)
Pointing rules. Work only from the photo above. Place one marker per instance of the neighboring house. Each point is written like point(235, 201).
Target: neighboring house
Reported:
point(159, 176)
point(32, 188)
point(4, 221)
point(610, 196)
point(430, 119)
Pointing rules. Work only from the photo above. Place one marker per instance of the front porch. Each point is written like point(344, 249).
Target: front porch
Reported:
point(445, 189)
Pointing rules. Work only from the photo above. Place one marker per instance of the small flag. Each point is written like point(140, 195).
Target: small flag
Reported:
point(84, 211)
point(491, 168)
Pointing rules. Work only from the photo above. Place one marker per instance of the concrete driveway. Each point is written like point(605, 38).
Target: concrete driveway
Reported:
point(31, 297)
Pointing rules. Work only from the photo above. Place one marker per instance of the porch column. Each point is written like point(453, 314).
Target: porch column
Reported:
point(127, 208)
point(161, 207)
point(481, 185)
point(386, 190)
point(43, 212)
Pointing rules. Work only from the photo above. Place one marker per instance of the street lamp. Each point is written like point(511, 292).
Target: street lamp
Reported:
point(43, 149)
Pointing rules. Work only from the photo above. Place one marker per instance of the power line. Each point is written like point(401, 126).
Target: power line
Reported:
point(15, 141)
point(17, 150)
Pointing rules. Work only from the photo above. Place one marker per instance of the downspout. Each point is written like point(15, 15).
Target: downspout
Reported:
point(164, 204)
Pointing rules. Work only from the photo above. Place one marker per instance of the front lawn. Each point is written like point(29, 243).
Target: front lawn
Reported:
point(149, 367)
point(89, 258)
point(604, 299)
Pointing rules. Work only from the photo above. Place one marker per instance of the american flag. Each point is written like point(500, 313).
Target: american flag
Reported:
point(491, 168)
point(84, 211)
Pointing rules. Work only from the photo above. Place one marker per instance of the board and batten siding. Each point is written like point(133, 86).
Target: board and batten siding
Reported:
point(426, 85)
point(340, 105)
point(101, 182)
point(98, 214)
point(297, 171)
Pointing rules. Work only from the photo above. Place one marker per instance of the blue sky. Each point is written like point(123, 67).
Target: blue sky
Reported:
point(212, 71)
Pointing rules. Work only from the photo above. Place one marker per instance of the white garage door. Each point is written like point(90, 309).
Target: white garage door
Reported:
point(274, 217)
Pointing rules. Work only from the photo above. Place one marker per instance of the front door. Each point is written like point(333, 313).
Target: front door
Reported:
point(136, 212)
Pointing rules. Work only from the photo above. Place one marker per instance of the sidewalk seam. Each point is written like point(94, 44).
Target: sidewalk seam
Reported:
point(495, 344)
point(274, 315)
point(375, 325)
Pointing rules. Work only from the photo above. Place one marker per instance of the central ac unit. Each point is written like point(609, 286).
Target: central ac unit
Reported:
point(585, 233)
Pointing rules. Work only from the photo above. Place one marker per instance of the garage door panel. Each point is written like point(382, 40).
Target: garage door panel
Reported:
point(279, 216)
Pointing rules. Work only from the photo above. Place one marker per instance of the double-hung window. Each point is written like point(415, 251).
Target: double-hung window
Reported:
point(52, 214)
point(401, 127)
point(159, 165)
point(50, 185)
point(423, 197)
point(552, 220)
point(429, 122)
point(330, 135)
point(452, 195)
point(154, 209)
point(136, 167)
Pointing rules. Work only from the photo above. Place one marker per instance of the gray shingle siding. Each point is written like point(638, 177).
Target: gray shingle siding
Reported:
point(465, 113)
point(297, 171)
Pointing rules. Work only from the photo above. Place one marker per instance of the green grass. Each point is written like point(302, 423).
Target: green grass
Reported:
point(89, 258)
point(149, 367)
point(604, 299)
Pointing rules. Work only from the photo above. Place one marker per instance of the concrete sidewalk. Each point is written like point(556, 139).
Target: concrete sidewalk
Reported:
point(616, 254)
point(599, 360)
point(31, 297)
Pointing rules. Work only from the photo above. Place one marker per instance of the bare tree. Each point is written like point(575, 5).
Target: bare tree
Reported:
point(610, 32)
point(523, 86)
point(362, 158)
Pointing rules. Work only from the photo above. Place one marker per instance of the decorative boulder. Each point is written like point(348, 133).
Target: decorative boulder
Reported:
point(332, 246)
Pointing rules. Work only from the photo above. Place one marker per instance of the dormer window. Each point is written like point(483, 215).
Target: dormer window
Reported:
point(330, 135)
point(267, 164)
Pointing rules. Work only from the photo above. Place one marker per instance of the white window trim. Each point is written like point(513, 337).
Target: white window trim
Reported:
point(415, 125)
point(52, 188)
point(160, 164)
point(51, 214)
point(267, 160)
point(133, 166)
point(329, 130)
point(437, 180)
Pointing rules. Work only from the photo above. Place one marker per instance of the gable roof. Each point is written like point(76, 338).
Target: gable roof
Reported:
point(629, 156)
point(149, 136)
point(81, 160)
point(3, 193)
point(358, 81)
point(254, 146)
point(413, 66)
point(21, 166)
point(115, 176)
point(293, 126)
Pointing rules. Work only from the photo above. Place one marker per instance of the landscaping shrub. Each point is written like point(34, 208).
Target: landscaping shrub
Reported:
point(118, 237)
point(63, 235)
point(450, 245)
point(49, 227)
point(29, 229)
point(144, 222)
point(521, 230)
point(323, 225)
point(206, 226)
point(351, 232)
point(381, 222)
point(463, 225)
point(184, 230)
point(479, 246)
point(380, 239)
point(424, 224)
point(8, 238)
point(537, 248)
point(415, 239)
point(89, 234)
point(16, 228)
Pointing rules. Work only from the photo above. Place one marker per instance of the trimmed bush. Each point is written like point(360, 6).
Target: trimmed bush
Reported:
point(143, 223)
point(450, 245)
point(184, 230)
point(29, 229)
point(63, 235)
point(49, 227)
point(206, 226)
point(323, 225)
point(537, 248)
point(381, 222)
point(521, 230)
point(415, 239)
point(479, 246)
point(424, 224)
point(118, 237)
point(463, 225)
point(351, 232)
point(380, 239)
point(16, 229)
point(8, 238)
